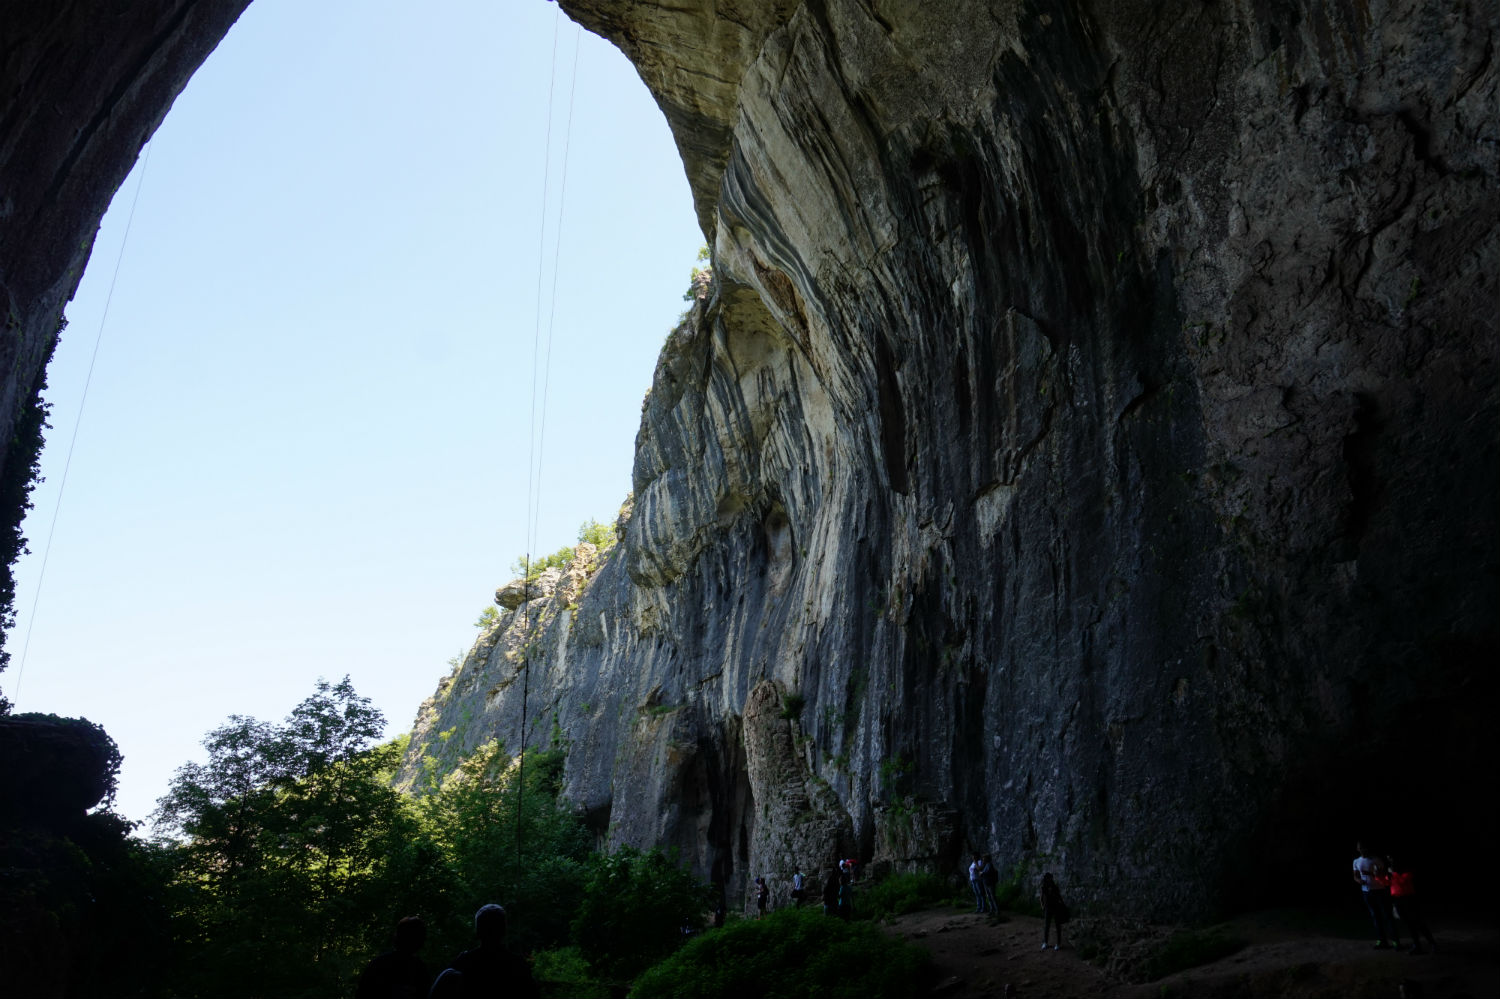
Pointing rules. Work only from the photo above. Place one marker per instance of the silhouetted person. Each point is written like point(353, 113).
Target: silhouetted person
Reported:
point(831, 893)
point(846, 895)
point(976, 884)
point(400, 973)
point(1054, 910)
point(762, 896)
point(1408, 905)
point(989, 878)
point(489, 971)
point(1375, 887)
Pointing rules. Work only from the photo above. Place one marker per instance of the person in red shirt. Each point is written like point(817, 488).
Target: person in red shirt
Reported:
point(1408, 907)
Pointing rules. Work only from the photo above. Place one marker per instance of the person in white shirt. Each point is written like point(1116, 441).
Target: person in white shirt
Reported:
point(1375, 887)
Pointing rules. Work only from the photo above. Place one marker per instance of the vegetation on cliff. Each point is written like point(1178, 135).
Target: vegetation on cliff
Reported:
point(591, 532)
point(21, 473)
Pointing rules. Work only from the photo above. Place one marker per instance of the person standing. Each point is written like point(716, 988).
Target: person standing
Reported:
point(1054, 910)
point(799, 887)
point(846, 895)
point(1404, 900)
point(831, 893)
point(762, 896)
point(1374, 886)
point(988, 879)
point(976, 884)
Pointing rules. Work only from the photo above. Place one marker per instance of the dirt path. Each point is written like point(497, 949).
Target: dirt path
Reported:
point(1285, 955)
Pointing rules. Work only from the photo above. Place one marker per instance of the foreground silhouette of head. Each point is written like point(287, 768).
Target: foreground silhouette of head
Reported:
point(490, 924)
point(411, 934)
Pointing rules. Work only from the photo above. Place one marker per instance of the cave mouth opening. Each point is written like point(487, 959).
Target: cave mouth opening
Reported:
point(333, 264)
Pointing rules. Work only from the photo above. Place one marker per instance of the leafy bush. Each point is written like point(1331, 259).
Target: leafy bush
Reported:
point(602, 536)
point(701, 278)
point(1014, 893)
point(634, 909)
point(903, 893)
point(525, 568)
point(564, 974)
point(793, 952)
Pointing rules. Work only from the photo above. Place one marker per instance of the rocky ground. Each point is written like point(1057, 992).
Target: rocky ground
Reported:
point(1285, 953)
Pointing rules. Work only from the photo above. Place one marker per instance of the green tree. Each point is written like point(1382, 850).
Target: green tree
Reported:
point(634, 908)
point(296, 852)
point(534, 868)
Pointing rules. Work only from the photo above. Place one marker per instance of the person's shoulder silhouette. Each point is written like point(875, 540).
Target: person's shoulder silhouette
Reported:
point(399, 973)
point(488, 971)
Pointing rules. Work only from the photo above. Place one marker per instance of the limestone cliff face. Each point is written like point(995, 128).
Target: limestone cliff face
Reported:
point(1090, 446)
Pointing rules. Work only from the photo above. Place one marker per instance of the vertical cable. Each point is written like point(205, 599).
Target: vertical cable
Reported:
point(36, 597)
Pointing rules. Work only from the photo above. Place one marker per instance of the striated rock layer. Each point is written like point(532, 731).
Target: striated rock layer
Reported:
point(1088, 454)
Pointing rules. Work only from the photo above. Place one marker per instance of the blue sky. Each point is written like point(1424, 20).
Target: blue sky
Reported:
point(304, 448)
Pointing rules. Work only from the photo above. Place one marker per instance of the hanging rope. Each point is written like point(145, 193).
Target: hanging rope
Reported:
point(78, 422)
point(538, 427)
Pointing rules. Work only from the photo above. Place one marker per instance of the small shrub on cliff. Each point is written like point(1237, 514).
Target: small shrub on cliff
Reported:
point(700, 278)
point(794, 952)
point(594, 533)
point(602, 536)
point(525, 568)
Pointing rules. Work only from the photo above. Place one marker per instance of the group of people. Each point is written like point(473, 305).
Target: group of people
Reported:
point(838, 890)
point(487, 971)
point(984, 877)
point(1389, 889)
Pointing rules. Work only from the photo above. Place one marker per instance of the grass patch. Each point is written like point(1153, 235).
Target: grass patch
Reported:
point(1188, 949)
point(902, 893)
point(793, 952)
point(1015, 892)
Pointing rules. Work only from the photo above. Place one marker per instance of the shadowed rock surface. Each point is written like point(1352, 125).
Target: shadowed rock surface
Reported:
point(1093, 430)
point(1088, 451)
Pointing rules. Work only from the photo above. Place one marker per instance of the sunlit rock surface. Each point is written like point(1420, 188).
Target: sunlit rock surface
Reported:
point(1093, 431)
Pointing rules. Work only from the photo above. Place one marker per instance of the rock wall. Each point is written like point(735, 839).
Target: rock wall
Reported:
point(1092, 435)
